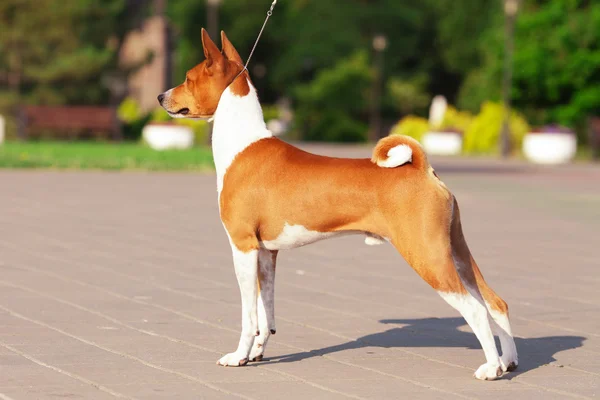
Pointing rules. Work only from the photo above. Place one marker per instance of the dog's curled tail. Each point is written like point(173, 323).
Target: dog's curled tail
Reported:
point(396, 150)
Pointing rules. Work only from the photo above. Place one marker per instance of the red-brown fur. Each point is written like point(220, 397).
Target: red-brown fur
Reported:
point(271, 184)
point(204, 84)
point(380, 152)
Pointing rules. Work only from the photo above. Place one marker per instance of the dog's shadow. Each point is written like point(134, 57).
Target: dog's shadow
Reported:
point(443, 332)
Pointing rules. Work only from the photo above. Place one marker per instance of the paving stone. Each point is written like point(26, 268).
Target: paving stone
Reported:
point(125, 280)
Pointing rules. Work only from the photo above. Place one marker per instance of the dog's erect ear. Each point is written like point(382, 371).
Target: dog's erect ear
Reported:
point(228, 49)
point(211, 51)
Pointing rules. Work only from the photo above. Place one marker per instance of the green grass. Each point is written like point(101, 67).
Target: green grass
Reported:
point(102, 156)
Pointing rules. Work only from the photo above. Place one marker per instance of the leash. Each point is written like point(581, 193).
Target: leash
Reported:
point(269, 13)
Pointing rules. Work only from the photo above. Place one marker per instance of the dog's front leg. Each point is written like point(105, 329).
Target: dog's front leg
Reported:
point(266, 302)
point(246, 270)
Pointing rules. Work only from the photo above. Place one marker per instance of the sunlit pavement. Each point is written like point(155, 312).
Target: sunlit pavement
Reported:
point(122, 285)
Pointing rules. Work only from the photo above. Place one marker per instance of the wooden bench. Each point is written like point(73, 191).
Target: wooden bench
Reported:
point(68, 122)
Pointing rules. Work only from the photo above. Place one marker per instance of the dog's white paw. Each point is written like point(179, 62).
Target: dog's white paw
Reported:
point(260, 342)
point(488, 372)
point(233, 360)
point(508, 363)
point(256, 354)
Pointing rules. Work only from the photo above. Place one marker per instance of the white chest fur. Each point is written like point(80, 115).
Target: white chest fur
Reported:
point(238, 123)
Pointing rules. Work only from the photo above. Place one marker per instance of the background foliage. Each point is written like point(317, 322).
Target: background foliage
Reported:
point(319, 55)
point(62, 51)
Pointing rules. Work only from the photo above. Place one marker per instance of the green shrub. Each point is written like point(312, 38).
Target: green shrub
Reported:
point(412, 126)
point(129, 111)
point(416, 127)
point(159, 114)
point(200, 128)
point(409, 96)
point(270, 112)
point(460, 120)
point(483, 134)
point(332, 106)
point(132, 119)
point(334, 126)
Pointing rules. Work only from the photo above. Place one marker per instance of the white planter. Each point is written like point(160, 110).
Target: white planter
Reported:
point(549, 148)
point(442, 143)
point(2, 129)
point(277, 127)
point(167, 136)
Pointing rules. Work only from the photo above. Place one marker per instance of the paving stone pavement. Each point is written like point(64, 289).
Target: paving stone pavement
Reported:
point(121, 285)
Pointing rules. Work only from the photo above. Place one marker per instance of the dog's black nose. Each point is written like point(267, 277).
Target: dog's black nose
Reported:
point(161, 97)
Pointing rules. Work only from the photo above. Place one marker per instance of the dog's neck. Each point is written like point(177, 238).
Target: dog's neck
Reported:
point(238, 122)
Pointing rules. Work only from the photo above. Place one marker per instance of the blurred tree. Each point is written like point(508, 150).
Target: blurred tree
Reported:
point(66, 51)
point(316, 34)
point(57, 51)
point(409, 96)
point(433, 47)
point(557, 62)
point(187, 18)
point(460, 25)
point(330, 106)
point(305, 38)
point(453, 43)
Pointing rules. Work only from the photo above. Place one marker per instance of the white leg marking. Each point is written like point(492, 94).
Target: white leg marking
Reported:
point(374, 240)
point(476, 315)
point(501, 326)
point(295, 236)
point(266, 304)
point(246, 266)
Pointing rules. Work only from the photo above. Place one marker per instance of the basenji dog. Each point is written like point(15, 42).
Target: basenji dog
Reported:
point(273, 196)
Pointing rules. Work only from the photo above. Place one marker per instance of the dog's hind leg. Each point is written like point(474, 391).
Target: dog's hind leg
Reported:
point(476, 315)
point(267, 260)
point(497, 308)
point(501, 325)
point(473, 279)
point(428, 248)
